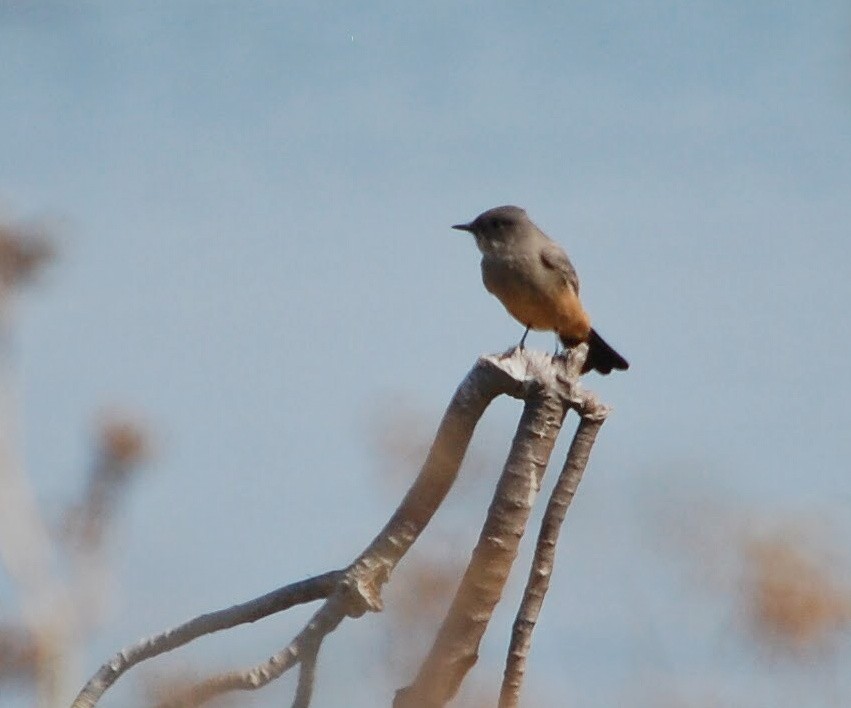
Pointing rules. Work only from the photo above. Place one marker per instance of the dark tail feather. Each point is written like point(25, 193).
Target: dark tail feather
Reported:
point(602, 357)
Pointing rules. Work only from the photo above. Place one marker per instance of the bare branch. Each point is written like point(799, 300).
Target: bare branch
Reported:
point(306, 677)
point(303, 647)
point(486, 381)
point(549, 387)
point(315, 588)
point(548, 393)
point(364, 577)
point(544, 558)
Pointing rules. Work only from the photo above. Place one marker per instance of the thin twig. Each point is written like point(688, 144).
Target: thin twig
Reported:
point(278, 600)
point(544, 558)
point(307, 642)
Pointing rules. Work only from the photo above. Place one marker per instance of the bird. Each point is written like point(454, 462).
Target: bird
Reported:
point(531, 275)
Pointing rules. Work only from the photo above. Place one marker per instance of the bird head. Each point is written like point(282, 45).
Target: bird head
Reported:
point(495, 227)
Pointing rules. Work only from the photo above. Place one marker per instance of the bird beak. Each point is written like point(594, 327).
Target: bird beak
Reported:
point(464, 227)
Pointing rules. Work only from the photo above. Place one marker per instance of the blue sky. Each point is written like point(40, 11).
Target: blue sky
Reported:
point(253, 205)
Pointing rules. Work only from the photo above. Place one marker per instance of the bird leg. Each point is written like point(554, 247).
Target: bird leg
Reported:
point(523, 338)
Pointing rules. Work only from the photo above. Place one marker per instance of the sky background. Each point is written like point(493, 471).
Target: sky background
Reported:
point(252, 205)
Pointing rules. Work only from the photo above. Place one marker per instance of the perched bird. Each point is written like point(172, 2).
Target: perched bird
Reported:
point(536, 282)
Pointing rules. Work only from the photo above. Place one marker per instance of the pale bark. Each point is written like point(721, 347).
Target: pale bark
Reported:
point(550, 387)
point(548, 394)
point(544, 558)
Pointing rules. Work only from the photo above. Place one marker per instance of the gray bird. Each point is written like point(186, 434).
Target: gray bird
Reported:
point(536, 282)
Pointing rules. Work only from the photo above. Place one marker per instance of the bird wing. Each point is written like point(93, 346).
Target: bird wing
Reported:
point(554, 258)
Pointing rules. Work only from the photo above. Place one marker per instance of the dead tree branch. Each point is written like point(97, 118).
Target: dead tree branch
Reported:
point(315, 588)
point(548, 395)
point(544, 558)
point(306, 677)
point(303, 648)
point(549, 387)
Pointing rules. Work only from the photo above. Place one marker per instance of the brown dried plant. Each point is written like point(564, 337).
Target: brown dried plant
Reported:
point(18, 655)
point(123, 441)
point(794, 595)
point(122, 444)
point(24, 251)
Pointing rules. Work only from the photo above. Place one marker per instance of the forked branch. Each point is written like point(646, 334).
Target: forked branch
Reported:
point(455, 650)
point(549, 387)
point(544, 558)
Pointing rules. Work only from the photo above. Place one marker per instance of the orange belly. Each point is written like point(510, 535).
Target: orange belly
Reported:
point(555, 308)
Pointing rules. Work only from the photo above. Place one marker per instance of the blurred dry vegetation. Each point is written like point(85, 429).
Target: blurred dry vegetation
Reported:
point(783, 583)
point(57, 568)
point(24, 251)
point(796, 594)
point(786, 576)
